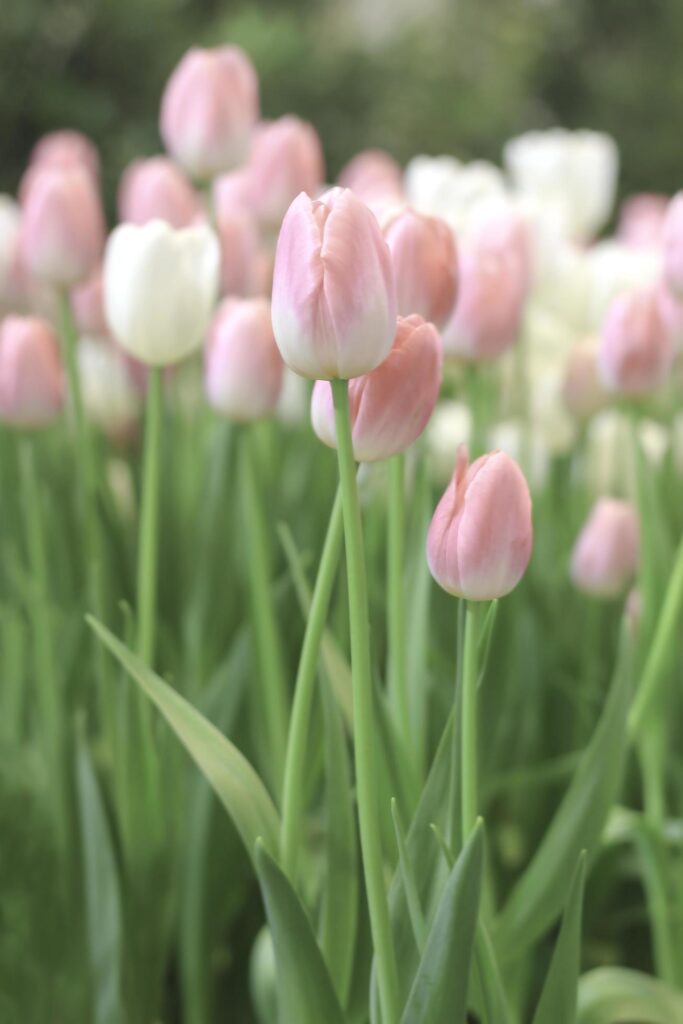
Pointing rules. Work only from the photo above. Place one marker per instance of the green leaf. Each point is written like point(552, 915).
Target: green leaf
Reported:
point(305, 991)
point(557, 1004)
point(538, 895)
point(617, 995)
point(102, 896)
point(409, 882)
point(439, 991)
point(232, 777)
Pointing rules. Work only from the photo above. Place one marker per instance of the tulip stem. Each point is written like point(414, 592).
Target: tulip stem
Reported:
point(396, 524)
point(148, 546)
point(267, 643)
point(468, 751)
point(365, 734)
point(295, 762)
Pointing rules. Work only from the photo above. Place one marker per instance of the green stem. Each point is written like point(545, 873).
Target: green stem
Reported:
point(149, 519)
point(365, 734)
point(297, 747)
point(455, 840)
point(396, 616)
point(468, 781)
point(266, 633)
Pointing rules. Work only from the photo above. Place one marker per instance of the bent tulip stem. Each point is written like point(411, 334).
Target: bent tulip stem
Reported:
point(396, 521)
point(365, 734)
point(468, 781)
point(297, 743)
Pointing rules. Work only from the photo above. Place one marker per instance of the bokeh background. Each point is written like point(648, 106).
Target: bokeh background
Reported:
point(438, 76)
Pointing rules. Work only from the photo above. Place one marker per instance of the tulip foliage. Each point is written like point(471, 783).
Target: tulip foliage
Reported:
point(378, 730)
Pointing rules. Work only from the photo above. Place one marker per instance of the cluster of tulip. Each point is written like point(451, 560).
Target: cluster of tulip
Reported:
point(448, 310)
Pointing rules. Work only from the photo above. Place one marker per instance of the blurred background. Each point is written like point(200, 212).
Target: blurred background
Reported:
point(438, 76)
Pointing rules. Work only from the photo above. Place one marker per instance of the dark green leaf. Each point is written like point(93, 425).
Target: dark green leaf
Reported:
point(557, 1004)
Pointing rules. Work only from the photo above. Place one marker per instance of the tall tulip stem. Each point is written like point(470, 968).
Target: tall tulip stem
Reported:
point(470, 673)
point(148, 548)
point(396, 624)
point(365, 733)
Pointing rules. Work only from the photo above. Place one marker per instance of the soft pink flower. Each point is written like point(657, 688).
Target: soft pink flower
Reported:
point(240, 256)
point(636, 348)
point(156, 189)
point(334, 299)
point(376, 178)
point(243, 369)
point(605, 555)
point(87, 306)
point(391, 406)
point(641, 220)
point(31, 382)
point(231, 193)
point(66, 148)
point(286, 159)
point(209, 109)
point(583, 391)
point(672, 240)
point(480, 538)
point(425, 264)
point(62, 226)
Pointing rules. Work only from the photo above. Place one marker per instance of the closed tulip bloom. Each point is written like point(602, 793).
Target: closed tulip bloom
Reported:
point(605, 555)
point(156, 189)
point(31, 380)
point(480, 538)
point(286, 159)
point(583, 391)
point(673, 245)
point(111, 396)
point(636, 348)
point(240, 255)
point(160, 286)
point(62, 227)
point(391, 406)
point(425, 265)
point(243, 369)
point(209, 109)
point(372, 174)
point(334, 299)
point(641, 220)
point(66, 148)
point(87, 306)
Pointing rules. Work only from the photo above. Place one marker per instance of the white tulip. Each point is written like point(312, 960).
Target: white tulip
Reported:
point(110, 397)
point(10, 218)
point(615, 268)
point(444, 187)
point(160, 288)
point(575, 171)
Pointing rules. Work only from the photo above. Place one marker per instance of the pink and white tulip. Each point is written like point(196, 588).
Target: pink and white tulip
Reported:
point(583, 391)
point(157, 189)
point(243, 369)
point(605, 555)
point(636, 348)
point(334, 298)
point(241, 271)
point(286, 159)
point(425, 263)
point(641, 220)
point(31, 379)
point(673, 245)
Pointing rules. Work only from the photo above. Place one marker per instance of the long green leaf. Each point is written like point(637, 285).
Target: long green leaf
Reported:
point(617, 995)
point(232, 777)
point(305, 991)
point(439, 991)
point(557, 1004)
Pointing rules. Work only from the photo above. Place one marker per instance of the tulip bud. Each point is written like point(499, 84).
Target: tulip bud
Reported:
point(87, 306)
point(334, 299)
point(425, 265)
point(491, 295)
point(636, 348)
point(208, 110)
point(31, 381)
point(156, 189)
point(62, 228)
point(160, 286)
point(286, 159)
point(240, 256)
point(66, 148)
point(376, 178)
point(111, 398)
point(583, 391)
point(641, 220)
point(390, 406)
point(605, 555)
point(673, 245)
point(480, 538)
point(243, 369)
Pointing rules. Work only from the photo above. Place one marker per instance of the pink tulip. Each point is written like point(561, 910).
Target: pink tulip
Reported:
point(480, 538)
point(494, 280)
point(243, 369)
point(672, 241)
point(66, 148)
point(231, 193)
point(334, 299)
point(156, 189)
point(286, 159)
point(62, 227)
point(371, 174)
point(240, 256)
point(425, 265)
point(605, 555)
point(87, 306)
point(636, 348)
point(641, 220)
point(583, 392)
point(31, 383)
point(209, 109)
point(391, 406)
point(671, 310)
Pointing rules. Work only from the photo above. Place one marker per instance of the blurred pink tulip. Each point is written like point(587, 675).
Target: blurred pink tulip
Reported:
point(31, 382)
point(66, 148)
point(480, 538)
point(636, 348)
point(425, 264)
point(230, 193)
point(376, 178)
point(605, 555)
point(672, 242)
point(62, 226)
point(156, 189)
point(87, 306)
point(391, 406)
point(286, 159)
point(583, 391)
point(334, 299)
point(641, 220)
point(240, 256)
point(243, 369)
point(208, 110)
